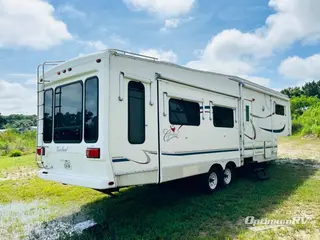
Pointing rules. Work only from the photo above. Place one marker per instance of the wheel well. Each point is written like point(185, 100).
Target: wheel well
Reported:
point(217, 166)
point(231, 165)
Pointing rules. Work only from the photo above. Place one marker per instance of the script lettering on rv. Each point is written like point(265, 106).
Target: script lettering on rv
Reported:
point(62, 149)
point(171, 133)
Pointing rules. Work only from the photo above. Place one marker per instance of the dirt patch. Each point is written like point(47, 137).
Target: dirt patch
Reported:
point(37, 220)
point(299, 162)
point(21, 173)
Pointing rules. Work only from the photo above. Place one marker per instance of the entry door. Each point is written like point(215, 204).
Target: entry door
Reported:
point(249, 129)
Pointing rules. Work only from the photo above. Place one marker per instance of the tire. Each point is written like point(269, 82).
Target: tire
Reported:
point(210, 181)
point(227, 176)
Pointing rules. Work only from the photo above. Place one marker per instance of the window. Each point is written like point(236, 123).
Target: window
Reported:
point(279, 109)
point(184, 112)
point(68, 113)
point(223, 117)
point(91, 110)
point(47, 117)
point(247, 113)
point(136, 113)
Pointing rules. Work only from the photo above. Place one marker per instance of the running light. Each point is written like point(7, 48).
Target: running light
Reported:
point(93, 152)
point(41, 151)
point(98, 60)
point(64, 71)
point(58, 73)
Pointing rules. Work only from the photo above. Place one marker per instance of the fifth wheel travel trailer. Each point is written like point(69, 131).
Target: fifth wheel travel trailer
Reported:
point(114, 119)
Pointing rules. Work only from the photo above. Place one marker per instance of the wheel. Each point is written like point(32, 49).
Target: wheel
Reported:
point(211, 180)
point(227, 176)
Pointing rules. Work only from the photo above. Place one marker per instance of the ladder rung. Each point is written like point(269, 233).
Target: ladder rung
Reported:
point(40, 105)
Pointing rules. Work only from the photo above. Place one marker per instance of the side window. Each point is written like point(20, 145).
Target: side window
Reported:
point(279, 109)
point(184, 112)
point(47, 118)
point(247, 113)
point(91, 110)
point(136, 113)
point(223, 117)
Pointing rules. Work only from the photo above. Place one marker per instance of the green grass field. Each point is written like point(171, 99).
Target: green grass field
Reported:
point(30, 207)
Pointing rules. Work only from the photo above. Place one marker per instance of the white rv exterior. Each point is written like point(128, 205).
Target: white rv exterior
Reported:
point(114, 119)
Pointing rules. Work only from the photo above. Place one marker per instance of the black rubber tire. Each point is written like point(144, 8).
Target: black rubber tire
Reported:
point(224, 182)
point(210, 181)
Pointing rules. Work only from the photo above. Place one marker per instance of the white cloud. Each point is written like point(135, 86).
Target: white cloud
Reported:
point(162, 7)
point(94, 45)
point(259, 80)
point(15, 98)
point(231, 52)
point(171, 23)
point(168, 56)
point(71, 11)
point(239, 53)
point(175, 22)
point(30, 23)
point(304, 69)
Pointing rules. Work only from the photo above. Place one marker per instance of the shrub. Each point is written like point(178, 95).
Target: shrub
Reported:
point(13, 140)
point(15, 153)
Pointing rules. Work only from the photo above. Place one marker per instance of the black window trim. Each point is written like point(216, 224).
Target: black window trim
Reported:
point(54, 108)
point(233, 115)
point(52, 113)
point(186, 100)
point(144, 113)
point(85, 103)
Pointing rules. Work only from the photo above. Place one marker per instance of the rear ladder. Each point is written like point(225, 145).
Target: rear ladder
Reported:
point(41, 81)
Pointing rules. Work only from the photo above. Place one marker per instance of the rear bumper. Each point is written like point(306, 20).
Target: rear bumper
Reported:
point(95, 183)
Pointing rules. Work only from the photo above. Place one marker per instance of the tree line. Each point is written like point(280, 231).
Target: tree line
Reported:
point(18, 121)
point(305, 108)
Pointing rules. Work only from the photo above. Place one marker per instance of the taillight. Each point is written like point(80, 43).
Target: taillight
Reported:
point(41, 151)
point(93, 152)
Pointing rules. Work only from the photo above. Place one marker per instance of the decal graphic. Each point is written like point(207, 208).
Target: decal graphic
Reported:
point(274, 130)
point(254, 132)
point(123, 159)
point(256, 116)
point(171, 133)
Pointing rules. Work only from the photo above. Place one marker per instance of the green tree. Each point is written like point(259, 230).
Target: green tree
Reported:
point(300, 104)
point(312, 89)
point(3, 121)
point(292, 92)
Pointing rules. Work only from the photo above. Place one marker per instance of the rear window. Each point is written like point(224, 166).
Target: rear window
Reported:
point(47, 116)
point(68, 113)
point(91, 110)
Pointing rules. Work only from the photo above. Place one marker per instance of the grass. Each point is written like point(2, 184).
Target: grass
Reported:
point(177, 210)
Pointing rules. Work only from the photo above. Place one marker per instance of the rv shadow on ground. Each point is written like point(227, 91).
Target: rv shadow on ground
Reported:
point(178, 210)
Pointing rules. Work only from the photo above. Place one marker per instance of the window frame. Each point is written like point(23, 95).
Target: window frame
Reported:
point(85, 107)
point(144, 114)
point(233, 116)
point(177, 99)
point(82, 117)
point(52, 114)
point(284, 109)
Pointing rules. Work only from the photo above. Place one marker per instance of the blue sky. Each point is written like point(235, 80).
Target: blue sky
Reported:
point(272, 42)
